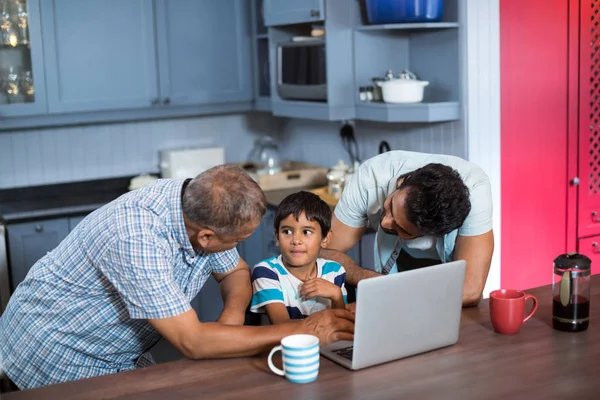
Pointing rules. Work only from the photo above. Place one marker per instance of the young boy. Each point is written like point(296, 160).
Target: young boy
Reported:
point(297, 283)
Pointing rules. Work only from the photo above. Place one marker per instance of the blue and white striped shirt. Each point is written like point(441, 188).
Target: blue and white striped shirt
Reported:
point(82, 310)
point(273, 283)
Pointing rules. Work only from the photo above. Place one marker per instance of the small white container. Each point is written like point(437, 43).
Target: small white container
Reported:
point(402, 90)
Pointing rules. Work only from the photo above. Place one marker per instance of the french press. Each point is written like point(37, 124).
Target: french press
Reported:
point(571, 292)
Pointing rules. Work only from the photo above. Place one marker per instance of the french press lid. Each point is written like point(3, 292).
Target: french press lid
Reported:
point(577, 264)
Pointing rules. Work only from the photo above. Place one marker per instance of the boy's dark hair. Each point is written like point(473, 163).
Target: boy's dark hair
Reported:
point(313, 207)
point(437, 200)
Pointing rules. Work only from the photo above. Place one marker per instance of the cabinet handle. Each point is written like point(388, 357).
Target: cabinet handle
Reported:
point(315, 13)
point(595, 217)
point(39, 228)
point(595, 248)
point(166, 100)
point(155, 101)
point(575, 181)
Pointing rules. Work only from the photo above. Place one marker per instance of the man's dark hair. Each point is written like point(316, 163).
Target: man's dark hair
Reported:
point(313, 207)
point(437, 200)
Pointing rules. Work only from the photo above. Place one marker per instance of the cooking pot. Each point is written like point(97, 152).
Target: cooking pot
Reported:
point(402, 90)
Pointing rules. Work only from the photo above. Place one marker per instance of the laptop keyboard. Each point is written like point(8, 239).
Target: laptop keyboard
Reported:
point(345, 352)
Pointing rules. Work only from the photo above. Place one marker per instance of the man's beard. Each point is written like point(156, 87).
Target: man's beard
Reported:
point(388, 231)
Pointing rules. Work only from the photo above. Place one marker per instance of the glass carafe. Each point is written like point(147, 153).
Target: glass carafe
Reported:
point(8, 30)
point(571, 292)
point(265, 156)
point(23, 22)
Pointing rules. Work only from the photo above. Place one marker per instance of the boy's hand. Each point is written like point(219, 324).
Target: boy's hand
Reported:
point(319, 287)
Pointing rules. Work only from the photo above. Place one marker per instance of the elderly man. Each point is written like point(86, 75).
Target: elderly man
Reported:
point(426, 209)
point(125, 276)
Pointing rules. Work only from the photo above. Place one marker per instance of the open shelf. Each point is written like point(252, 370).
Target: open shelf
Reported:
point(262, 104)
point(409, 112)
point(312, 110)
point(19, 46)
point(423, 25)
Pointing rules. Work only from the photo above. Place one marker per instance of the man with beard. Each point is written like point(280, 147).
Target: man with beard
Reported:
point(427, 209)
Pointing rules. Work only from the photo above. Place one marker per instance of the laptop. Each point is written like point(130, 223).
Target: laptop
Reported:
point(403, 314)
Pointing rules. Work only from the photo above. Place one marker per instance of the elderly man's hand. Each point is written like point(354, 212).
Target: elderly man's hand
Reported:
point(351, 307)
point(330, 326)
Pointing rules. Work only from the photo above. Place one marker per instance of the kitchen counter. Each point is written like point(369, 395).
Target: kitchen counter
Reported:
point(274, 197)
point(537, 363)
point(65, 199)
point(30, 203)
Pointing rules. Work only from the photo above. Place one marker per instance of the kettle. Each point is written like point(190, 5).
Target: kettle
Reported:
point(337, 176)
point(265, 156)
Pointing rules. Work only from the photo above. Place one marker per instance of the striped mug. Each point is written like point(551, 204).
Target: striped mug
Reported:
point(300, 354)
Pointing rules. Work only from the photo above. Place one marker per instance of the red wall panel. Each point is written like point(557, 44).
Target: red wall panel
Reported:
point(534, 125)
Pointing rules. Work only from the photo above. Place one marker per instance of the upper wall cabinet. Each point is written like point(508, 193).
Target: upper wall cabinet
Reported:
point(22, 88)
point(99, 55)
point(286, 12)
point(203, 51)
point(134, 54)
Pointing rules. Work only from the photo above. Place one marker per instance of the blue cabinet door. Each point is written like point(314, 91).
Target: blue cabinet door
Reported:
point(203, 51)
point(286, 12)
point(30, 241)
point(269, 248)
point(367, 251)
point(251, 249)
point(73, 221)
point(23, 58)
point(99, 55)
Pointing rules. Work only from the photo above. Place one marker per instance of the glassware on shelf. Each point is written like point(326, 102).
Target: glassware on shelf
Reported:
point(27, 86)
point(3, 96)
point(8, 31)
point(13, 88)
point(23, 22)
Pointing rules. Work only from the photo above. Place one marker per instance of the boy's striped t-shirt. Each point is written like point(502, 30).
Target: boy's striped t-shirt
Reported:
point(273, 283)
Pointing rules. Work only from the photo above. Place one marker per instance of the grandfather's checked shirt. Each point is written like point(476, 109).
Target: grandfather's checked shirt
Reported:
point(82, 310)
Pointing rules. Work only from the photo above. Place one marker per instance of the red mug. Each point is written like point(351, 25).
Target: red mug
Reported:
point(507, 308)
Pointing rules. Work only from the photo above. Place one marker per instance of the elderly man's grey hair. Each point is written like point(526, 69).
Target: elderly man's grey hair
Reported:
point(224, 199)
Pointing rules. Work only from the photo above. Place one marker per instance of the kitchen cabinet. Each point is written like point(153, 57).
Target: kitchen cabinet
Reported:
point(591, 248)
point(116, 61)
point(430, 50)
point(74, 221)
point(339, 63)
point(99, 55)
point(356, 53)
point(285, 12)
point(203, 51)
point(262, 69)
point(22, 80)
point(261, 244)
point(367, 251)
point(30, 241)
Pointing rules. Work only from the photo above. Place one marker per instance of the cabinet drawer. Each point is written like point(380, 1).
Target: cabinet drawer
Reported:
point(591, 248)
point(30, 241)
point(285, 12)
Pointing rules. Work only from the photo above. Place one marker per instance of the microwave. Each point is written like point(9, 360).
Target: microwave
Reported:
point(301, 70)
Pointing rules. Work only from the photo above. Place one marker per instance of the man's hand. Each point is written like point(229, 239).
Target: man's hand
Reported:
point(329, 326)
point(351, 307)
point(319, 287)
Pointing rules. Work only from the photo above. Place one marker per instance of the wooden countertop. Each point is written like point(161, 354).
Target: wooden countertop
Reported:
point(537, 363)
point(274, 197)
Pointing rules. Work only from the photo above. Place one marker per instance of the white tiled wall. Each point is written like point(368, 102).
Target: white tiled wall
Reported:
point(320, 143)
point(36, 157)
